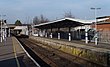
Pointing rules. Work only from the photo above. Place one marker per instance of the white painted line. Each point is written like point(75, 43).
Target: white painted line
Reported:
point(28, 54)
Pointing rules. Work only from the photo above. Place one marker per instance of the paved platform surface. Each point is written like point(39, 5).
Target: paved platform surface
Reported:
point(78, 43)
point(12, 55)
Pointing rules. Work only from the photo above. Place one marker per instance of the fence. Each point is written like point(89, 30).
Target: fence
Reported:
point(104, 37)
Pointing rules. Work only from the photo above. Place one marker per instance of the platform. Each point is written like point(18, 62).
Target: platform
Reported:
point(12, 55)
point(98, 54)
point(76, 43)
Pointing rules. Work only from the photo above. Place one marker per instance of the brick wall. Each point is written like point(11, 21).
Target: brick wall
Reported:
point(103, 27)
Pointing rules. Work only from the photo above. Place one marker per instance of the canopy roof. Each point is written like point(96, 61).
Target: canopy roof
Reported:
point(20, 27)
point(66, 22)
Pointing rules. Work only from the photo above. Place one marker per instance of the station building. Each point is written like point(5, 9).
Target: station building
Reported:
point(21, 30)
point(103, 28)
point(8, 29)
point(104, 25)
point(62, 29)
point(67, 28)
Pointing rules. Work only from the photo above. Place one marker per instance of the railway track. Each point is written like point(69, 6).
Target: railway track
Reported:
point(50, 57)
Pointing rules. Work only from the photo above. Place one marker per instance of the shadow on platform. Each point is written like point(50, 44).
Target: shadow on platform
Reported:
point(12, 62)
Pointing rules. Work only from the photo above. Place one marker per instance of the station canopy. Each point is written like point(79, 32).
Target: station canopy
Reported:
point(20, 27)
point(62, 23)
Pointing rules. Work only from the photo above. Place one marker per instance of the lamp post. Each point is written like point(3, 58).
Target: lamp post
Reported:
point(1, 27)
point(95, 14)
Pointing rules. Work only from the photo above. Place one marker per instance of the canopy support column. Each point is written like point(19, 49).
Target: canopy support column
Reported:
point(46, 33)
point(9, 32)
point(51, 34)
point(3, 34)
point(58, 33)
point(86, 35)
point(79, 32)
point(69, 33)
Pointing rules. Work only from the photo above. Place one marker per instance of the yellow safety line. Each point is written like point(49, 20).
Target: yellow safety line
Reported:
point(14, 49)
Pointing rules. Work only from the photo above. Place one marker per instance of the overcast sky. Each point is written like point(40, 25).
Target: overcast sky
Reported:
point(25, 10)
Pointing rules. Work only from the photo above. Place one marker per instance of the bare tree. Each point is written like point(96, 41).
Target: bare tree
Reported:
point(68, 15)
point(36, 20)
point(40, 19)
point(43, 19)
